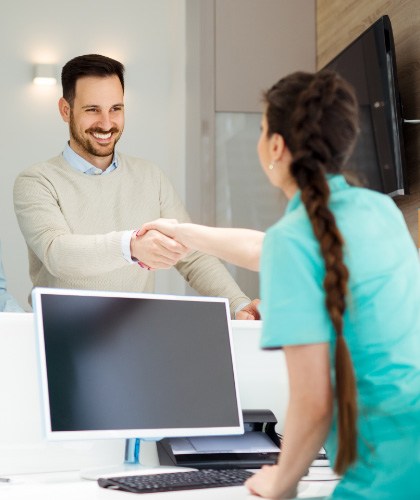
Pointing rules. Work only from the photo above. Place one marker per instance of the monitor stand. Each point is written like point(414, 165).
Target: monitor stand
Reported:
point(131, 465)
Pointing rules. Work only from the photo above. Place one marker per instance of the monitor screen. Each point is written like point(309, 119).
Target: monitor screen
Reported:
point(135, 365)
point(369, 64)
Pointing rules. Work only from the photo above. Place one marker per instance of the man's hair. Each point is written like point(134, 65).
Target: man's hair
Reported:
point(88, 65)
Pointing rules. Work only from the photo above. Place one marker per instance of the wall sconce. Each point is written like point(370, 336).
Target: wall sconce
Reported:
point(45, 74)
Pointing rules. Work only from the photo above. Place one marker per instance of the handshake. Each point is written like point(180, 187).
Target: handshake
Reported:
point(160, 244)
point(155, 244)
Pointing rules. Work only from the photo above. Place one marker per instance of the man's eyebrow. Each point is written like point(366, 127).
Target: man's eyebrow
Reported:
point(120, 105)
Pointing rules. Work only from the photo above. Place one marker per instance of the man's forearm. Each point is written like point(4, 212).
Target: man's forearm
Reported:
point(82, 255)
point(209, 277)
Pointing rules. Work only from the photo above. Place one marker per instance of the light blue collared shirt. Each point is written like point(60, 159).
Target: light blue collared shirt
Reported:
point(82, 165)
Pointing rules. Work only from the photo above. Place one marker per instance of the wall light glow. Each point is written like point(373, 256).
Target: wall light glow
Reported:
point(45, 74)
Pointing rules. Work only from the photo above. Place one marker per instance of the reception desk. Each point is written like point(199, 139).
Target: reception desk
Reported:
point(41, 469)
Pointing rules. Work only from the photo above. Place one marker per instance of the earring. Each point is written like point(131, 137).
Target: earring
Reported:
point(271, 166)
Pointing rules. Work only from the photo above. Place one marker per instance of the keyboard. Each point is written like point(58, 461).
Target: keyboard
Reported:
point(176, 481)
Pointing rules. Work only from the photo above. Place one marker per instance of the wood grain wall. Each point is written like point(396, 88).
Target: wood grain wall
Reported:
point(339, 22)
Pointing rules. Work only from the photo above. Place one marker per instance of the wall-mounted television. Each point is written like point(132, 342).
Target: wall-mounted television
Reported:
point(369, 64)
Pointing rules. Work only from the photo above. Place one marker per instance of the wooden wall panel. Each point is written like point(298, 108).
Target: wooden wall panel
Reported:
point(339, 22)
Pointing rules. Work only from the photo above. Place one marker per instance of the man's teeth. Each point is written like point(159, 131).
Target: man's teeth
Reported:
point(102, 136)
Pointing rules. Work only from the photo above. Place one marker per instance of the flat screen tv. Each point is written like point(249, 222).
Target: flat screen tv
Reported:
point(369, 65)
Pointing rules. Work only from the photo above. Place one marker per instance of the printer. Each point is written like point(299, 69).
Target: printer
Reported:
point(259, 445)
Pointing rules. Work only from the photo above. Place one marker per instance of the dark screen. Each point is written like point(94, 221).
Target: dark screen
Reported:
point(369, 65)
point(137, 363)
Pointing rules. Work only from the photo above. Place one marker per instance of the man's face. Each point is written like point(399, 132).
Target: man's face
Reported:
point(96, 119)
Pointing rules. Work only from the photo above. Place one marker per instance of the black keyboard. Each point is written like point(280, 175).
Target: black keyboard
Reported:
point(175, 481)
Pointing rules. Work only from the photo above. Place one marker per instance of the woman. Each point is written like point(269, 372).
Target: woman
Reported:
point(340, 292)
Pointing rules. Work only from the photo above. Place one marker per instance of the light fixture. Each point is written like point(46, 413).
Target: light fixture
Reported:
point(45, 74)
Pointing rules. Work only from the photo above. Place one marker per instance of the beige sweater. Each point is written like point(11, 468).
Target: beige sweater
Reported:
point(73, 224)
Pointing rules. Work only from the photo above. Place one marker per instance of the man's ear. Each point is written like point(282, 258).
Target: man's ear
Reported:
point(277, 146)
point(64, 108)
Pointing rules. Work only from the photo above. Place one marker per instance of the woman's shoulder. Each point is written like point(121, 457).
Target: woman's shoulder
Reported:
point(292, 234)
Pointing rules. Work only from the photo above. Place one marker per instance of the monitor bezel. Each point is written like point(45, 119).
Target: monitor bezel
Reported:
point(148, 434)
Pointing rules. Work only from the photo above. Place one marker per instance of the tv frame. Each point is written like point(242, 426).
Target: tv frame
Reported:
point(142, 433)
point(385, 104)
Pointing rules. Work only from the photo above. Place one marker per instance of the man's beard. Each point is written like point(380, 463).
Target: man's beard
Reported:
point(86, 144)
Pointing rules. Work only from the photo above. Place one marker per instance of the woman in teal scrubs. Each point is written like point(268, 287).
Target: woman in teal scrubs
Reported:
point(340, 290)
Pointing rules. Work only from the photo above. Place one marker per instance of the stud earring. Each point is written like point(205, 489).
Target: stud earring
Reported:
point(271, 166)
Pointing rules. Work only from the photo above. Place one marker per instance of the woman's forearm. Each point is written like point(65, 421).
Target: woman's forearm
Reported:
point(309, 413)
point(307, 423)
point(304, 436)
point(241, 247)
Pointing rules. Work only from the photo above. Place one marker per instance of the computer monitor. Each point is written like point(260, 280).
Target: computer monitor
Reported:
point(128, 365)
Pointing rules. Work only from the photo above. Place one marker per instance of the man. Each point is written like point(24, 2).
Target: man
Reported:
point(7, 302)
point(79, 211)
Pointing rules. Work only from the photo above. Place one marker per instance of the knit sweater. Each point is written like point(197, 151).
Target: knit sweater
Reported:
point(73, 225)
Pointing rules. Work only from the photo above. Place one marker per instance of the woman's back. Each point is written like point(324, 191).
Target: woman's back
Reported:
point(381, 327)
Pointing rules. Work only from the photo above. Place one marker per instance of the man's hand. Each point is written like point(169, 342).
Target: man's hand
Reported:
point(250, 311)
point(157, 250)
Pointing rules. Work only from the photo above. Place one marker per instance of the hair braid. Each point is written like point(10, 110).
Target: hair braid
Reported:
point(316, 114)
point(311, 157)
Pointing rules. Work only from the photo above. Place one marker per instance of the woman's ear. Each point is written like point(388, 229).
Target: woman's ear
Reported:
point(277, 147)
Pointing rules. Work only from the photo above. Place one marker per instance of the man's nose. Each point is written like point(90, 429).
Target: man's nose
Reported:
point(105, 121)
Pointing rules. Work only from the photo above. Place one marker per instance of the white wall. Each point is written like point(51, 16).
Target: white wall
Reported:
point(148, 36)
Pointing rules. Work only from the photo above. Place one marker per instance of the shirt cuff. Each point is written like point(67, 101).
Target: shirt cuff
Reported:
point(125, 246)
point(240, 307)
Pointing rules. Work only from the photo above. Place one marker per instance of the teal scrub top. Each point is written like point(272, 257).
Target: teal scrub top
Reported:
point(381, 328)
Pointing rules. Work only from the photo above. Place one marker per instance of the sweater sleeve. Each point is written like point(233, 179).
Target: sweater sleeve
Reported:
point(49, 237)
point(204, 273)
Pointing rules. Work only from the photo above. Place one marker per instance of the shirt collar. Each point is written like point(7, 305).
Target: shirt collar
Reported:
point(336, 182)
point(80, 164)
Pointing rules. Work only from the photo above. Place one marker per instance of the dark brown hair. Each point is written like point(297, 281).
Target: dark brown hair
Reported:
point(317, 115)
point(88, 65)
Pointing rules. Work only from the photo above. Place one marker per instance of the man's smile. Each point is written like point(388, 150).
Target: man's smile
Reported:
point(102, 135)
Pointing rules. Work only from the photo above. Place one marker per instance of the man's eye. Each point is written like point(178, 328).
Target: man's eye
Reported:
point(91, 110)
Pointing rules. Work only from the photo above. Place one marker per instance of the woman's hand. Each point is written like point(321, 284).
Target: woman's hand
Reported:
point(266, 483)
point(164, 226)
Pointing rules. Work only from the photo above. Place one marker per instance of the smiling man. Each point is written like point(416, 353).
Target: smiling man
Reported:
point(95, 128)
point(79, 211)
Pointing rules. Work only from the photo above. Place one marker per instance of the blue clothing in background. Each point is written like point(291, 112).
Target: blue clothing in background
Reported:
point(7, 302)
point(381, 327)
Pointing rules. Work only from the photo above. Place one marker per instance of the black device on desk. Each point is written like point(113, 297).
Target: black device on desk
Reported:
point(177, 481)
point(258, 446)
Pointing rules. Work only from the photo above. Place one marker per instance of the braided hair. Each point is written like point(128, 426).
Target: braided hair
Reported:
point(317, 116)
